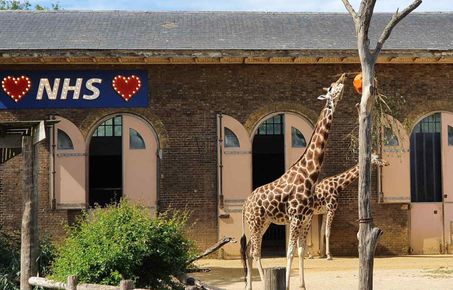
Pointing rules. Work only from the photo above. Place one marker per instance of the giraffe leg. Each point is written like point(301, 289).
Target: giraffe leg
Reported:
point(256, 242)
point(249, 264)
point(257, 253)
point(329, 220)
point(302, 240)
point(323, 236)
point(260, 268)
point(289, 258)
point(300, 252)
point(294, 233)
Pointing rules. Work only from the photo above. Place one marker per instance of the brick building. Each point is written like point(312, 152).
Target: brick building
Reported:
point(249, 80)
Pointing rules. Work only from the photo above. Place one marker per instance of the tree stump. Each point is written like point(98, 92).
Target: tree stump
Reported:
point(126, 285)
point(274, 278)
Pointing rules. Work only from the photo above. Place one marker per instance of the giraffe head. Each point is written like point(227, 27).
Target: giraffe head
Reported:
point(334, 93)
point(376, 160)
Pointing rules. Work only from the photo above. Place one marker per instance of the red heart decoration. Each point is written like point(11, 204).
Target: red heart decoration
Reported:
point(126, 87)
point(16, 88)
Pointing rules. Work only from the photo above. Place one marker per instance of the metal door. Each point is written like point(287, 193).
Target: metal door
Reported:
point(235, 178)
point(395, 150)
point(447, 174)
point(427, 234)
point(140, 153)
point(68, 150)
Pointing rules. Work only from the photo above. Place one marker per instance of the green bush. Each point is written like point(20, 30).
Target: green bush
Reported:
point(10, 259)
point(123, 242)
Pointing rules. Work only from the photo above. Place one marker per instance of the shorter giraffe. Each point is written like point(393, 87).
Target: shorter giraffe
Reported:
point(327, 192)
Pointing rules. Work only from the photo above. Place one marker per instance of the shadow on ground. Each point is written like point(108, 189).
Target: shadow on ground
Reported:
point(217, 277)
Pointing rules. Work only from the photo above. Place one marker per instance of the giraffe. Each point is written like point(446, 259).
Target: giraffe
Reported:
point(289, 199)
point(327, 192)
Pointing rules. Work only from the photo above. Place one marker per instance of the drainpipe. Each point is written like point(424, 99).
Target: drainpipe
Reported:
point(159, 176)
point(52, 172)
point(220, 161)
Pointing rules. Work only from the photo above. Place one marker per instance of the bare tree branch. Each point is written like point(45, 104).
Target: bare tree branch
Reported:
point(366, 12)
point(350, 10)
point(213, 248)
point(392, 23)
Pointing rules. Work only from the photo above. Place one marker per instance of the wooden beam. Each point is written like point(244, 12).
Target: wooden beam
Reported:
point(11, 141)
point(281, 60)
point(389, 58)
point(232, 60)
point(256, 60)
point(39, 133)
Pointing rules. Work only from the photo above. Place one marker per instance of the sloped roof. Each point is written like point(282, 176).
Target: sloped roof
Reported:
point(121, 30)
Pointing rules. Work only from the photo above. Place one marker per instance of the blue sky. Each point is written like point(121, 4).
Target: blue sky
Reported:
point(241, 5)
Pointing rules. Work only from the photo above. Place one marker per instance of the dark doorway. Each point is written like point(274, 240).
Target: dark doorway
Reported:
point(105, 163)
point(268, 165)
point(426, 167)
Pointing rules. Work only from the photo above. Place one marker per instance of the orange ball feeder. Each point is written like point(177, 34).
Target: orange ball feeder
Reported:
point(358, 83)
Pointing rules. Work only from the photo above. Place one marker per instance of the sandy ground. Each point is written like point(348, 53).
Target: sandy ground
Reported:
point(392, 273)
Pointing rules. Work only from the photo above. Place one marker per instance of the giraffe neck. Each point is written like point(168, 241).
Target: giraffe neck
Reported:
point(343, 180)
point(313, 156)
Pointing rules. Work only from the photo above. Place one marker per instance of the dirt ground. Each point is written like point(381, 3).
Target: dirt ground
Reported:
point(391, 273)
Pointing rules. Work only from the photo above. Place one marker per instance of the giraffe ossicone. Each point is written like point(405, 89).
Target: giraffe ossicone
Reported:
point(289, 199)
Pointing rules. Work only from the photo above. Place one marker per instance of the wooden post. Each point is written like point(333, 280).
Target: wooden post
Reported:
point(274, 278)
point(29, 231)
point(126, 285)
point(72, 283)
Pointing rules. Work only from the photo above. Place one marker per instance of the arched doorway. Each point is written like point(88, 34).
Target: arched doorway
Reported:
point(431, 154)
point(277, 142)
point(106, 162)
point(123, 155)
point(247, 160)
point(268, 157)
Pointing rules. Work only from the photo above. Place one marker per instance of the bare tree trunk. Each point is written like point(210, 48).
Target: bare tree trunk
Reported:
point(29, 231)
point(368, 234)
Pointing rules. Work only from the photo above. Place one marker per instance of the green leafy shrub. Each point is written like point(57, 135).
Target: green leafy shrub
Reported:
point(10, 259)
point(46, 256)
point(123, 242)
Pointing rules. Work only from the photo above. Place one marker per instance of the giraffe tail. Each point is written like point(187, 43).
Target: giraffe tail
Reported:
point(244, 248)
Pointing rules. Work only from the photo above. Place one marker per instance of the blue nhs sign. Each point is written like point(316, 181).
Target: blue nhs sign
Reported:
point(73, 89)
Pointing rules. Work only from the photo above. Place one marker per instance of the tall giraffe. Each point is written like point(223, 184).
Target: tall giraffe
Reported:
point(289, 199)
point(327, 192)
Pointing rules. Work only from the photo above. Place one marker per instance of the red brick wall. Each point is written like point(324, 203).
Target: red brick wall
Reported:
point(186, 98)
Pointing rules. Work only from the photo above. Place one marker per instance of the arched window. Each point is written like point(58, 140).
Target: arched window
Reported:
point(109, 128)
point(297, 138)
point(64, 142)
point(272, 126)
point(136, 140)
point(231, 140)
point(426, 168)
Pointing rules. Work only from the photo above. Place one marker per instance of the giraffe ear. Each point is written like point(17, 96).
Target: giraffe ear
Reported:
point(322, 97)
